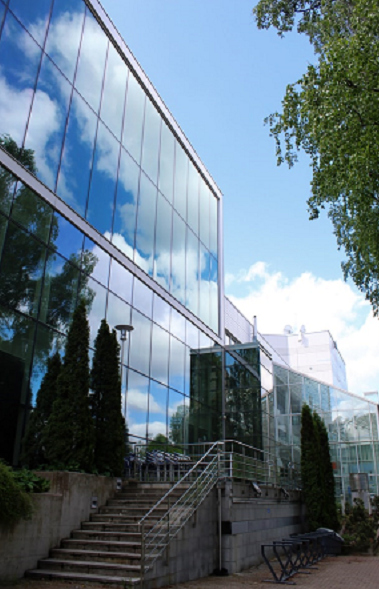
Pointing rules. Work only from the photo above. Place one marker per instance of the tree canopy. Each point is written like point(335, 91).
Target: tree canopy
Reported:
point(332, 114)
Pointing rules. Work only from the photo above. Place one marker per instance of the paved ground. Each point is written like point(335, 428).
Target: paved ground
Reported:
point(347, 572)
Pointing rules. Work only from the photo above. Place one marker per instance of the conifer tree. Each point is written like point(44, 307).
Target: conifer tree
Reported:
point(329, 512)
point(69, 437)
point(110, 431)
point(310, 469)
point(33, 454)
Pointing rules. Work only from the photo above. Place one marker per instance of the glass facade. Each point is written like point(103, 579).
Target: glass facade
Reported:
point(351, 421)
point(76, 116)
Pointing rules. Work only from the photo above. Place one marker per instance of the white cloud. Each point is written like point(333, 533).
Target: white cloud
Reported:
point(318, 304)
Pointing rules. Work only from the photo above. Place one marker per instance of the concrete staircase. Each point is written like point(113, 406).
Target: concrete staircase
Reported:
point(107, 548)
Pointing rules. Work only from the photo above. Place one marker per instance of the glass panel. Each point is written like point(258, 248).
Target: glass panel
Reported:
point(311, 393)
point(103, 182)
point(178, 325)
point(47, 343)
point(60, 291)
point(145, 225)
point(213, 319)
point(90, 72)
point(7, 186)
point(47, 121)
point(159, 354)
point(282, 399)
point(192, 273)
point(112, 104)
point(32, 212)
point(139, 357)
point(126, 205)
point(121, 281)
point(166, 163)
point(178, 415)
point(95, 262)
point(178, 261)
point(143, 298)
point(3, 228)
point(118, 313)
point(296, 429)
point(2, 12)
point(280, 375)
point(19, 60)
point(180, 184)
point(193, 198)
point(133, 122)
point(66, 239)
point(163, 243)
point(22, 265)
point(136, 401)
point(150, 150)
point(204, 213)
point(16, 345)
point(187, 372)
point(77, 156)
point(295, 391)
point(213, 225)
point(33, 15)
point(204, 285)
point(157, 421)
point(65, 30)
point(177, 360)
point(161, 313)
point(192, 336)
point(95, 296)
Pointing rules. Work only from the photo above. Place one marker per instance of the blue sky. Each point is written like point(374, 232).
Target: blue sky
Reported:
point(220, 77)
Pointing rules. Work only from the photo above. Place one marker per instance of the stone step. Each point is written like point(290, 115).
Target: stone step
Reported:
point(105, 569)
point(111, 535)
point(133, 558)
point(108, 546)
point(147, 503)
point(110, 526)
point(131, 510)
point(119, 518)
point(82, 577)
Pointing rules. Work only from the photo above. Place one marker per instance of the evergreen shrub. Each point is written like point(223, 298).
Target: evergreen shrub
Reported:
point(15, 504)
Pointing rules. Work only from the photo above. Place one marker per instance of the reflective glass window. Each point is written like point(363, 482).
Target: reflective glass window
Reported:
point(103, 182)
point(311, 393)
point(95, 297)
point(65, 30)
point(150, 148)
point(139, 357)
point(112, 104)
point(187, 372)
point(32, 212)
point(121, 281)
point(166, 163)
point(178, 325)
point(118, 313)
point(142, 298)
point(2, 12)
point(157, 420)
point(213, 292)
point(192, 336)
point(162, 255)
point(66, 239)
point(47, 342)
point(33, 15)
point(204, 213)
point(295, 392)
point(47, 121)
point(213, 229)
point(137, 403)
point(178, 417)
point(193, 198)
point(159, 354)
point(180, 182)
point(280, 375)
point(204, 285)
point(90, 71)
point(282, 399)
point(21, 268)
point(60, 291)
point(178, 259)
point(133, 121)
point(77, 156)
point(161, 312)
point(177, 362)
point(124, 224)
point(7, 186)
point(3, 228)
point(95, 261)
point(19, 61)
point(145, 225)
point(192, 273)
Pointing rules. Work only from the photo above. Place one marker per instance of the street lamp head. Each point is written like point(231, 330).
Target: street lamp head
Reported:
point(124, 329)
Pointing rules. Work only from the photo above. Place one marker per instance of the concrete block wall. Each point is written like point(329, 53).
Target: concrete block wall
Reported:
point(56, 514)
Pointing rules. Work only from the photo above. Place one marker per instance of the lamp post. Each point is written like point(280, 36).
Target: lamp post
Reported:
point(124, 330)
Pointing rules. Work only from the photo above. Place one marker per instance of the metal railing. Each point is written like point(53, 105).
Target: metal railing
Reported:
point(196, 474)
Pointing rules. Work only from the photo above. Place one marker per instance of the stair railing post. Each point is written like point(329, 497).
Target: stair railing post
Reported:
point(142, 555)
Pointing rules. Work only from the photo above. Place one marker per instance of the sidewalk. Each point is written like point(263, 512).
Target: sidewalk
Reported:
point(347, 572)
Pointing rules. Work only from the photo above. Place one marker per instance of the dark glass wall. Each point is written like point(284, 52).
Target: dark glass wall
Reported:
point(100, 143)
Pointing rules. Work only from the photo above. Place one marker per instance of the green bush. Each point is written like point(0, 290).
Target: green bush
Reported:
point(358, 528)
point(30, 482)
point(15, 504)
